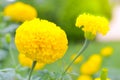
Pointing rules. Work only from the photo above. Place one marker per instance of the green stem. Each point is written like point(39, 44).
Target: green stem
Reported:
point(12, 56)
point(86, 43)
point(104, 74)
point(33, 65)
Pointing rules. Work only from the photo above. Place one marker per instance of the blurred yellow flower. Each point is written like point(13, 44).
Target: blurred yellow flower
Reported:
point(92, 65)
point(92, 24)
point(27, 62)
point(41, 40)
point(107, 51)
point(84, 77)
point(89, 68)
point(100, 79)
point(78, 60)
point(95, 59)
point(20, 12)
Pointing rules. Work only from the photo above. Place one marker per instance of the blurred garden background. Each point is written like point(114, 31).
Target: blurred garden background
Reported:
point(64, 14)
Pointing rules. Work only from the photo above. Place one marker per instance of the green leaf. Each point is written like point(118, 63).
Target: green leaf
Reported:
point(3, 54)
point(9, 74)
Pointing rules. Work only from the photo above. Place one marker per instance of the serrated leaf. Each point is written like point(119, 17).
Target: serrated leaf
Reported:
point(10, 28)
point(9, 74)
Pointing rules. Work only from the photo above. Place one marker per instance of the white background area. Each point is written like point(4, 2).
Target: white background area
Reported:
point(114, 33)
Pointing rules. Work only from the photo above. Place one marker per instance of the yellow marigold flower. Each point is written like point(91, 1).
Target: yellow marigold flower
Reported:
point(92, 65)
point(95, 59)
point(20, 12)
point(107, 51)
point(84, 77)
point(89, 68)
point(78, 60)
point(41, 40)
point(27, 62)
point(100, 79)
point(92, 24)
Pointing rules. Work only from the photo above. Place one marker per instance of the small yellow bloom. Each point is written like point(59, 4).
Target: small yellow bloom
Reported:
point(20, 12)
point(27, 62)
point(92, 65)
point(84, 77)
point(95, 59)
point(107, 51)
point(92, 24)
point(100, 79)
point(78, 60)
point(41, 40)
point(89, 68)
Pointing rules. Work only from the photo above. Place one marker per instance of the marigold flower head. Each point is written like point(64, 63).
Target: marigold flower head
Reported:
point(27, 62)
point(41, 40)
point(84, 77)
point(100, 79)
point(107, 51)
point(20, 12)
point(78, 60)
point(92, 24)
point(92, 65)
